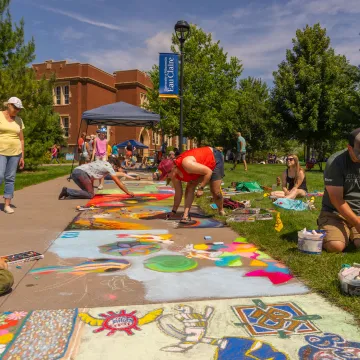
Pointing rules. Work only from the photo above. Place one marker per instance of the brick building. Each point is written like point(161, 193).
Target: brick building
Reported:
point(81, 87)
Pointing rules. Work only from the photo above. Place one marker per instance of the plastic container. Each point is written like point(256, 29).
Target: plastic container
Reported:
point(310, 241)
point(350, 280)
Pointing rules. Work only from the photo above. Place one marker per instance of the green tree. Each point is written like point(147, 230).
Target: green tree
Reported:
point(42, 126)
point(314, 89)
point(253, 115)
point(209, 90)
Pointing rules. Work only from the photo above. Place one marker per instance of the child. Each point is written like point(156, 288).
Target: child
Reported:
point(6, 278)
point(100, 151)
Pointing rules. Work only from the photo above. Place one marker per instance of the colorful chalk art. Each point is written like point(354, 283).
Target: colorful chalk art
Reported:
point(180, 297)
point(197, 330)
point(283, 319)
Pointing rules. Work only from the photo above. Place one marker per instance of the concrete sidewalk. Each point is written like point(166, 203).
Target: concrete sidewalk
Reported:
point(123, 270)
point(38, 219)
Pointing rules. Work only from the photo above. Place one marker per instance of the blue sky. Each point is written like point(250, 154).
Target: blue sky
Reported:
point(119, 35)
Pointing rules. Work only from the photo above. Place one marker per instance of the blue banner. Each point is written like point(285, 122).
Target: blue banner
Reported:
point(169, 75)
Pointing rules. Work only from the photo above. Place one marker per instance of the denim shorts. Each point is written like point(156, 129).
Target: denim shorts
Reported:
point(218, 172)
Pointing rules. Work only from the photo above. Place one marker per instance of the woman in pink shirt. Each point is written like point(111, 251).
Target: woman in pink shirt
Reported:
point(54, 154)
point(100, 151)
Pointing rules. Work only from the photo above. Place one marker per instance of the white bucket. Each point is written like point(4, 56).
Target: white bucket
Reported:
point(310, 243)
point(349, 280)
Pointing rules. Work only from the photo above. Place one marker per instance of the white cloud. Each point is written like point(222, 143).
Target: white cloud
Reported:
point(332, 7)
point(160, 42)
point(257, 35)
point(83, 19)
point(69, 34)
point(142, 58)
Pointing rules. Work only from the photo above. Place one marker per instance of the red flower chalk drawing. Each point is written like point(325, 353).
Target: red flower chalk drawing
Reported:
point(119, 322)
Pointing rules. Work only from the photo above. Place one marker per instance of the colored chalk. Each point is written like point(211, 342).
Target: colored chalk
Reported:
point(218, 243)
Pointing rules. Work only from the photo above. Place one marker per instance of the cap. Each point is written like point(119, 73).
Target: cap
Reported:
point(102, 130)
point(165, 167)
point(354, 137)
point(16, 102)
point(6, 281)
point(88, 137)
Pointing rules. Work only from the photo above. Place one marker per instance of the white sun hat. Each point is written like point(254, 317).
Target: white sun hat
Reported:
point(16, 102)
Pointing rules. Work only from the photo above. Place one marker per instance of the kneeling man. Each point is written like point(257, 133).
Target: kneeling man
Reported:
point(340, 213)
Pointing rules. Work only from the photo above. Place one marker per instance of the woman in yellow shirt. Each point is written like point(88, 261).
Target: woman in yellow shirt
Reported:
point(11, 148)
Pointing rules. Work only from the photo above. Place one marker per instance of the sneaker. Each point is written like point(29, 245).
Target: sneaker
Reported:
point(63, 193)
point(8, 210)
point(100, 187)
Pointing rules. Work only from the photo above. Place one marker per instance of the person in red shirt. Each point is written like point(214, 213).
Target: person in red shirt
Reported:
point(196, 167)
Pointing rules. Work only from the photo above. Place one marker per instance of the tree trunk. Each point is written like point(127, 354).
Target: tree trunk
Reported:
point(308, 151)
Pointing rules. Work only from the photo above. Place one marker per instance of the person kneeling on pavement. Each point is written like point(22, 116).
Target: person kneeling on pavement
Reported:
point(340, 213)
point(6, 278)
point(84, 176)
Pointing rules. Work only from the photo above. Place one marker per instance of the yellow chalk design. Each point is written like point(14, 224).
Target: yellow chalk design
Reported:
point(90, 320)
point(150, 317)
point(146, 319)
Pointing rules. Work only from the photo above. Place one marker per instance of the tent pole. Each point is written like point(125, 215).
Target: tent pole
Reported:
point(77, 142)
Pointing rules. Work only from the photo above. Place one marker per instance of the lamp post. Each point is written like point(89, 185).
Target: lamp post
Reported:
point(182, 31)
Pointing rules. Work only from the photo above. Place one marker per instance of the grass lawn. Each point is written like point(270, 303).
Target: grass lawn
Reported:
point(319, 272)
point(45, 173)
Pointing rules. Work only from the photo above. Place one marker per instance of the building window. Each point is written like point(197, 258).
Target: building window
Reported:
point(62, 94)
point(65, 124)
point(143, 100)
point(58, 95)
point(155, 138)
point(66, 95)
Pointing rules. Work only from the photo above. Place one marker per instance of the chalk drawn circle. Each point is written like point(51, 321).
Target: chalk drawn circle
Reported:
point(170, 263)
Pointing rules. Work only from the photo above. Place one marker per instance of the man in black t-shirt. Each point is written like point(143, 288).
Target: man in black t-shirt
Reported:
point(340, 213)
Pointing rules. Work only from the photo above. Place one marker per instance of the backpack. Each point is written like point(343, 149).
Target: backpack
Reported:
point(233, 204)
point(248, 186)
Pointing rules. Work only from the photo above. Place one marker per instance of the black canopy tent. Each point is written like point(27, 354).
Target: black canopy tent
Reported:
point(118, 114)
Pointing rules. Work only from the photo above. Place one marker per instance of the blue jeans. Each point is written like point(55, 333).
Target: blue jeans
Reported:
point(54, 158)
point(83, 181)
point(8, 167)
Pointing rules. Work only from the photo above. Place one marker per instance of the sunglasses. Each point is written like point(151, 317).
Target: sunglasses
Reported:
point(290, 159)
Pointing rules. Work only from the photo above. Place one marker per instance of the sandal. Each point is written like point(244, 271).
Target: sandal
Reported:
point(186, 220)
